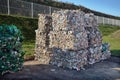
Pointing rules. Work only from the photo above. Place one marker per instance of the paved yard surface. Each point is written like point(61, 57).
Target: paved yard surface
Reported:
point(105, 70)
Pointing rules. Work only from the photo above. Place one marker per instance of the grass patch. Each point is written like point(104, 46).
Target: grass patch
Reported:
point(115, 52)
point(108, 29)
point(114, 44)
point(116, 34)
point(28, 47)
point(111, 35)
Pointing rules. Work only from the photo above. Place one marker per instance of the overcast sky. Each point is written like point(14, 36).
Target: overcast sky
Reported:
point(111, 7)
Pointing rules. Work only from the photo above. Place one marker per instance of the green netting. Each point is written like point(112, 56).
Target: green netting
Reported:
point(11, 54)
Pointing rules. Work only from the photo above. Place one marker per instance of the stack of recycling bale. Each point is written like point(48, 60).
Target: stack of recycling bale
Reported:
point(69, 39)
point(94, 40)
point(42, 38)
point(11, 53)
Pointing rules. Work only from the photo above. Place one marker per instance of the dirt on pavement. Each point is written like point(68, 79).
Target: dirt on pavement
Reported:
point(104, 70)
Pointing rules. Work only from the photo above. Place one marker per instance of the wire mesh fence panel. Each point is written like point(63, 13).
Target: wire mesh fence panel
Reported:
point(113, 22)
point(110, 21)
point(53, 9)
point(3, 7)
point(3, 2)
point(23, 8)
point(20, 12)
point(40, 9)
point(20, 8)
point(118, 22)
point(3, 10)
point(105, 21)
point(100, 20)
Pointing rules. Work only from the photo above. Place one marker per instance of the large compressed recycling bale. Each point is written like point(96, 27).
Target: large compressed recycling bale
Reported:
point(94, 54)
point(11, 54)
point(44, 27)
point(41, 45)
point(44, 23)
point(90, 20)
point(94, 37)
point(69, 59)
point(68, 30)
point(93, 32)
point(98, 53)
point(42, 55)
point(42, 38)
point(68, 40)
point(72, 20)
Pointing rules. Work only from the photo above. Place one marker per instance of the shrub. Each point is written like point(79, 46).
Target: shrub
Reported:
point(11, 54)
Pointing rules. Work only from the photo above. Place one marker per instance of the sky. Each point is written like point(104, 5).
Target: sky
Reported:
point(111, 7)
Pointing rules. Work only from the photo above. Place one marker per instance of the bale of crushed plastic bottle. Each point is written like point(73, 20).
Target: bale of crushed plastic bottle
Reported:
point(11, 54)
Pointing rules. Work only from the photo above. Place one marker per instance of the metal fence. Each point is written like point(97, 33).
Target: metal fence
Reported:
point(22, 8)
point(104, 20)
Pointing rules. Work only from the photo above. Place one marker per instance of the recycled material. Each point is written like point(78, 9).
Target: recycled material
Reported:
point(11, 54)
point(72, 40)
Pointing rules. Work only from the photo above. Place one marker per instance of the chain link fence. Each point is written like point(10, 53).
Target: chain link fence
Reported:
point(28, 9)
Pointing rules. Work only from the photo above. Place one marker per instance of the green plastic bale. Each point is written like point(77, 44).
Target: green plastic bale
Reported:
point(11, 54)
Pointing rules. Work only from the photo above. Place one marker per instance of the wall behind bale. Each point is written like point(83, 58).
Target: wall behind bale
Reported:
point(26, 25)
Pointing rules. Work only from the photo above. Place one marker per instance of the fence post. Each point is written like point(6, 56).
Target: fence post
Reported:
point(112, 21)
point(119, 22)
point(50, 11)
point(108, 21)
point(32, 10)
point(115, 22)
point(103, 20)
point(97, 18)
point(8, 5)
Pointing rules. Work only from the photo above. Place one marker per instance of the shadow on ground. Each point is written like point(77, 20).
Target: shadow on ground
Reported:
point(105, 70)
point(115, 52)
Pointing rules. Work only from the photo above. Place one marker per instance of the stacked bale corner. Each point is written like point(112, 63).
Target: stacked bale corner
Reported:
point(74, 40)
point(42, 38)
point(11, 54)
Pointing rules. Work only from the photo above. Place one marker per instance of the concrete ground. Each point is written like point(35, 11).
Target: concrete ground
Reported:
point(104, 70)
